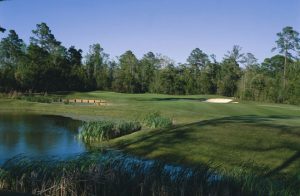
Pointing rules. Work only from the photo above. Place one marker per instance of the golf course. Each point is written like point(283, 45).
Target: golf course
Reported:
point(149, 98)
point(260, 137)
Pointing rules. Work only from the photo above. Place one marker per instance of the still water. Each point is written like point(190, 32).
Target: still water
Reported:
point(38, 135)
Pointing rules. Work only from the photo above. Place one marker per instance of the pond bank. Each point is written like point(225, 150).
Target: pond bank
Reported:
point(114, 173)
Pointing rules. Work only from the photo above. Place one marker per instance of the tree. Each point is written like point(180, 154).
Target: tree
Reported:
point(96, 62)
point(250, 62)
point(198, 59)
point(148, 65)
point(197, 62)
point(235, 54)
point(287, 43)
point(251, 67)
point(274, 66)
point(43, 38)
point(128, 74)
point(168, 79)
point(74, 56)
point(77, 77)
point(47, 61)
point(230, 72)
point(2, 29)
point(12, 52)
point(209, 78)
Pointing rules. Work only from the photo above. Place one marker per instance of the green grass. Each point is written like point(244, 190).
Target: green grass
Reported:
point(245, 135)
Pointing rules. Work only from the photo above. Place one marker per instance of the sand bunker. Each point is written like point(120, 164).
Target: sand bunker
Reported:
point(219, 100)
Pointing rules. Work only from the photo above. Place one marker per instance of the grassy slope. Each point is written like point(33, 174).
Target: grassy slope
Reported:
point(250, 134)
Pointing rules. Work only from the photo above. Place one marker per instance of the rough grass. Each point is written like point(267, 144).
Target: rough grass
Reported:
point(247, 135)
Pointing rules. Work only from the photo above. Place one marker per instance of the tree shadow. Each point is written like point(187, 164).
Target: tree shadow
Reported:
point(285, 164)
point(176, 99)
point(148, 144)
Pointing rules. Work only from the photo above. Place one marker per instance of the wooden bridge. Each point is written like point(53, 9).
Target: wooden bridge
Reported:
point(88, 101)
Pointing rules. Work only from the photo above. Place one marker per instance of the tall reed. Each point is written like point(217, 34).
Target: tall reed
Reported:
point(155, 120)
point(113, 173)
point(105, 130)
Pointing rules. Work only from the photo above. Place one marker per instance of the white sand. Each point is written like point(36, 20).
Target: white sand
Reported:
point(219, 100)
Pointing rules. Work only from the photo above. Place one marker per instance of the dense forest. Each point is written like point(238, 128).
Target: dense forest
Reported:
point(45, 65)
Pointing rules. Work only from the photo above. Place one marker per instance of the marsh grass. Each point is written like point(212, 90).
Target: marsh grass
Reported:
point(105, 130)
point(155, 120)
point(114, 173)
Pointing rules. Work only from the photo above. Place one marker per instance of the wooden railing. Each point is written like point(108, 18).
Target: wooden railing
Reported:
point(91, 101)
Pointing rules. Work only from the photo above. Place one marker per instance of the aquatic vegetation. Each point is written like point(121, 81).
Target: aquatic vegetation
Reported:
point(155, 120)
point(124, 127)
point(115, 173)
point(105, 130)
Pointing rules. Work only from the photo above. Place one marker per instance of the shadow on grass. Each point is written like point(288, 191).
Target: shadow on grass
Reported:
point(165, 139)
point(175, 99)
point(285, 164)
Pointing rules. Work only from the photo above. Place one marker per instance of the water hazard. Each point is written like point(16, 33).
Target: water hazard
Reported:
point(38, 135)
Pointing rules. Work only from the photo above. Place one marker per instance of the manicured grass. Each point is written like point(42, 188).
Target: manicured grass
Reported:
point(246, 135)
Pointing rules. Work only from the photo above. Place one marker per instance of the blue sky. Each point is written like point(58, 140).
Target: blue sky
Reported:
point(170, 27)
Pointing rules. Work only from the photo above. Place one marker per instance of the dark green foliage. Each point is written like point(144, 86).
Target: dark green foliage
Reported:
point(105, 130)
point(46, 65)
point(155, 120)
point(128, 79)
point(264, 82)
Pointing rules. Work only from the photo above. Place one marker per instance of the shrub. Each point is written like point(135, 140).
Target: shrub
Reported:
point(155, 120)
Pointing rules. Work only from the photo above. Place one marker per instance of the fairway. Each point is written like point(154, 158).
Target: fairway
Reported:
point(249, 135)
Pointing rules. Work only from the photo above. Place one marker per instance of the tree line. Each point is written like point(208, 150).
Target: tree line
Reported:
point(45, 65)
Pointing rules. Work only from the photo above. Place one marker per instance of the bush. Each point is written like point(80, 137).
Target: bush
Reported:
point(155, 120)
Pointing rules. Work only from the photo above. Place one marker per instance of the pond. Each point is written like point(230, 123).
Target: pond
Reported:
point(38, 135)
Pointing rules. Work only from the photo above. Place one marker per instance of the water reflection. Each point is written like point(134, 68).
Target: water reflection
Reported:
point(38, 135)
